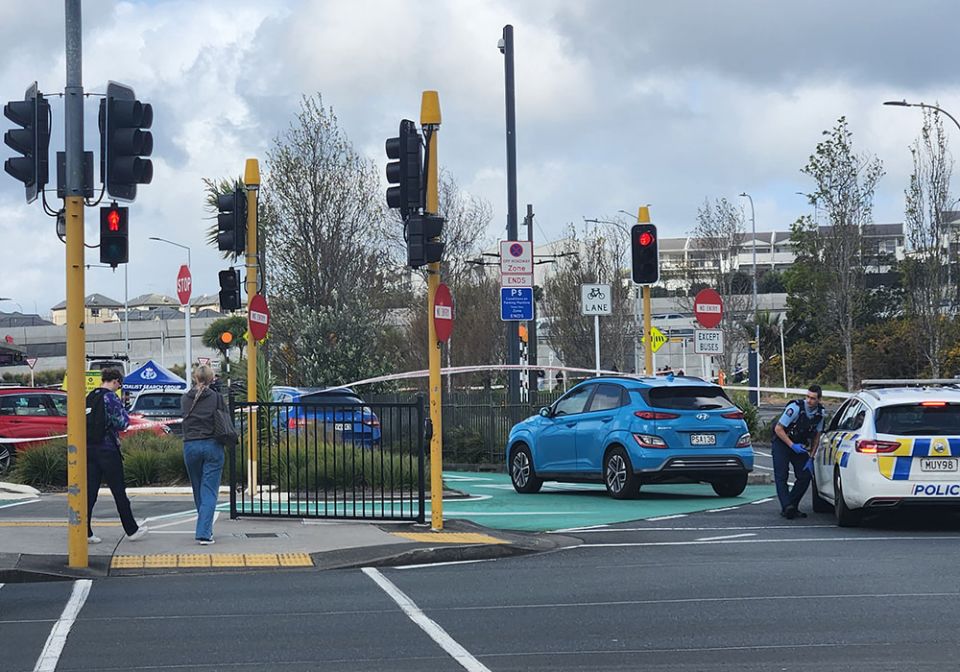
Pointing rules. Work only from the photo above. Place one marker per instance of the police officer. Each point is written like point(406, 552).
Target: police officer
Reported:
point(794, 442)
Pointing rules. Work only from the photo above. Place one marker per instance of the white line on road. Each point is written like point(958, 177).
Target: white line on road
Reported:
point(760, 466)
point(711, 529)
point(760, 452)
point(579, 529)
point(758, 541)
point(428, 625)
point(441, 564)
point(726, 508)
point(676, 515)
point(728, 536)
point(29, 501)
point(763, 501)
point(47, 662)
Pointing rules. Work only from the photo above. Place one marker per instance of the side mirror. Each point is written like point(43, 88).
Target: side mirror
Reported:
point(545, 411)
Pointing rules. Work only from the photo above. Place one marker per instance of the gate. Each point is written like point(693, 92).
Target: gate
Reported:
point(329, 460)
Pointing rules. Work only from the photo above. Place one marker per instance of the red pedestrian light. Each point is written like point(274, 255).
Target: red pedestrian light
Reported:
point(113, 220)
point(646, 239)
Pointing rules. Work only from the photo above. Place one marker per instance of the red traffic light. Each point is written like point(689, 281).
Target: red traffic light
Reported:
point(646, 239)
point(113, 220)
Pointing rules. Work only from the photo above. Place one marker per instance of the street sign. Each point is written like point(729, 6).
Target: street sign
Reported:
point(31, 362)
point(516, 304)
point(443, 313)
point(184, 285)
point(595, 300)
point(657, 339)
point(258, 318)
point(708, 308)
point(203, 361)
point(708, 341)
point(516, 263)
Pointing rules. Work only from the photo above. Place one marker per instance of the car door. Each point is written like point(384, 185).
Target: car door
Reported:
point(556, 444)
point(595, 424)
point(826, 452)
point(844, 441)
point(30, 416)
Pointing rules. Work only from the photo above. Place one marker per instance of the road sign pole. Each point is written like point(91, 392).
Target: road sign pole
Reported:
point(430, 120)
point(251, 178)
point(596, 342)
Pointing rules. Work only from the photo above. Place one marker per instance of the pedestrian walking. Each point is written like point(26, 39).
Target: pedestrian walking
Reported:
point(106, 418)
point(796, 436)
point(202, 452)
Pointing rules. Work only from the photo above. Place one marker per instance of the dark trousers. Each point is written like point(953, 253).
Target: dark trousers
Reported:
point(783, 457)
point(105, 464)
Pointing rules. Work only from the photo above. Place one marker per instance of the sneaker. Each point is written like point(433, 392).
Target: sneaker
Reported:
point(206, 542)
point(94, 539)
point(139, 534)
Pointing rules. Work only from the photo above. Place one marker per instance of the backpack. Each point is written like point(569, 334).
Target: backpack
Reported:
point(96, 417)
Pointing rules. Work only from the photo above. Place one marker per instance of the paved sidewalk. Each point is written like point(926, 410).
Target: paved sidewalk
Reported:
point(33, 540)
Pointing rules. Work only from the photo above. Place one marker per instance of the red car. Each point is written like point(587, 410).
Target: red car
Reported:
point(36, 413)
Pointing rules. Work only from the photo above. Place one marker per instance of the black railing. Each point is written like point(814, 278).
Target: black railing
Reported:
point(329, 460)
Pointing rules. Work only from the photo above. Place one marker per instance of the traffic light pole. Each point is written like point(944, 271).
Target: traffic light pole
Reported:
point(643, 217)
point(251, 177)
point(430, 121)
point(77, 551)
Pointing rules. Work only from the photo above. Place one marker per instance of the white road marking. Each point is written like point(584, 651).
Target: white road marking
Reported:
point(728, 536)
point(156, 528)
point(763, 501)
point(708, 529)
point(760, 452)
point(726, 508)
point(758, 541)
point(428, 625)
point(50, 656)
point(760, 466)
point(676, 515)
point(441, 564)
point(29, 501)
point(585, 528)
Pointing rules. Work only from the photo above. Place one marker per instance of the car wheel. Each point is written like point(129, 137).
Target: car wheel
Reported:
point(820, 505)
point(730, 487)
point(846, 517)
point(6, 458)
point(522, 474)
point(618, 475)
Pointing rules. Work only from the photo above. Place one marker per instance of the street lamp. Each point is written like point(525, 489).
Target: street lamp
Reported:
point(756, 321)
point(188, 350)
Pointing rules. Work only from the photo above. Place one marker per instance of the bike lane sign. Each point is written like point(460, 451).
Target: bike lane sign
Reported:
point(595, 300)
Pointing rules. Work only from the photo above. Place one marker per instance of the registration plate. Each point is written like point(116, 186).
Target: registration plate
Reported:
point(939, 464)
point(343, 426)
point(703, 439)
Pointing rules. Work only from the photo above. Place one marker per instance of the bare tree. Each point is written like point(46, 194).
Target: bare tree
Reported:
point(845, 184)
point(925, 270)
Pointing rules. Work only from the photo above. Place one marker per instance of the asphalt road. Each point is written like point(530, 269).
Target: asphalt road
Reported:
point(734, 589)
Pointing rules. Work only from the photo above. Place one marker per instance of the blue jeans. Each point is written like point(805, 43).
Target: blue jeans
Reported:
point(204, 460)
point(783, 457)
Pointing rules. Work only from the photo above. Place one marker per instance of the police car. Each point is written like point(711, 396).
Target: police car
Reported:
point(888, 447)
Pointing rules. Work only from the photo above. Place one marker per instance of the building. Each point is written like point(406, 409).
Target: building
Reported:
point(99, 310)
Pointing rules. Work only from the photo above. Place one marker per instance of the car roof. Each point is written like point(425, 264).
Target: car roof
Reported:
point(648, 382)
point(889, 396)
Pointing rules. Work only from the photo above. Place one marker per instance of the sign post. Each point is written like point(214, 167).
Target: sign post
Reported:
point(32, 362)
point(596, 300)
point(184, 289)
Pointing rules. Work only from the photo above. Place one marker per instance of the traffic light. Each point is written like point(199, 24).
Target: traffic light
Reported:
point(124, 142)
point(230, 289)
point(232, 222)
point(405, 170)
point(646, 255)
point(32, 140)
point(421, 232)
point(114, 235)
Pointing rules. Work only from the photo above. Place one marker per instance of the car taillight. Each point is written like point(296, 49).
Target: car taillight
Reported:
point(371, 422)
point(933, 403)
point(734, 415)
point(744, 441)
point(294, 423)
point(649, 441)
point(871, 446)
point(656, 415)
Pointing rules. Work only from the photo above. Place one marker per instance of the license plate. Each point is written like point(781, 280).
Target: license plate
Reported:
point(343, 426)
point(703, 439)
point(939, 464)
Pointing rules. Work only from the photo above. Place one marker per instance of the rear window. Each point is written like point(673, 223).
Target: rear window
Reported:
point(692, 398)
point(917, 420)
point(331, 400)
point(158, 402)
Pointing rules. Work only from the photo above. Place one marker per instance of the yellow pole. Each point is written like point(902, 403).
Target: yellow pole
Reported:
point(251, 177)
point(430, 120)
point(76, 394)
point(643, 217)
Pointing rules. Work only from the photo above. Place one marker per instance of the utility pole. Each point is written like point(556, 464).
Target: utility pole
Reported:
point(513, 334)
point(430, 122)
point(76, 340)
point(251, 178)
point(533, 377)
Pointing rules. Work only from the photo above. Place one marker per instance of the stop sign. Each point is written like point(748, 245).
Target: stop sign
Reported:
point(258, 318)
point(184, 285)
point(708, 308)
point(443, 313)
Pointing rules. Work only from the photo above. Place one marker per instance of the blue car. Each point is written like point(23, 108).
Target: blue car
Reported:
point(336, 411)
point(629, 431)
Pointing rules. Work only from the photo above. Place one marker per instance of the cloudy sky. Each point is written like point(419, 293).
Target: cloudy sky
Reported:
point(619, 103)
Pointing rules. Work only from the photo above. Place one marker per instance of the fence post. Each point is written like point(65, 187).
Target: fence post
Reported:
point(233, 468)
point(421, 475)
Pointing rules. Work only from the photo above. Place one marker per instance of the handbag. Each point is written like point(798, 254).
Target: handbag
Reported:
point(223, 430)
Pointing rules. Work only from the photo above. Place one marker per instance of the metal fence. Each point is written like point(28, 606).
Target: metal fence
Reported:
point(329, 460)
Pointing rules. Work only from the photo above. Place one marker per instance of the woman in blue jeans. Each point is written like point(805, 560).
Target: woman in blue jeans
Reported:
point(202, 453)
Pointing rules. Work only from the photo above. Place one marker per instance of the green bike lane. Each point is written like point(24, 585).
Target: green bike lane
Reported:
point(491, 501)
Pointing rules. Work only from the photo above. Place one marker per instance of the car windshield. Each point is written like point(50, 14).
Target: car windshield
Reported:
point(918, 420)
point(690, 398)
point(158, 402)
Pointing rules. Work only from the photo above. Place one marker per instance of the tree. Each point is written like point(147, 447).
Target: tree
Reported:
point(844, 186)
point(236, 325)
point(925, 270)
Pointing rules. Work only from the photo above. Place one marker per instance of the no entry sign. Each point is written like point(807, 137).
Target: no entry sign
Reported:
point(258, 318)
point(443, 313)
point(708, 308)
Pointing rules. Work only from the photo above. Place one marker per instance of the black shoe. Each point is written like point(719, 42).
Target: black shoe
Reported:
point(790, 512)
point(801, 514)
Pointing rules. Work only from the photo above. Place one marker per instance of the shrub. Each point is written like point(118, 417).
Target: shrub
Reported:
point(141, 466)
point(751, 414)
point(42, 466)
point(173, 471)
point(461, 444)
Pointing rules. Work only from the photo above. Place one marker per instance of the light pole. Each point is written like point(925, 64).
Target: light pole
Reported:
point(126, 307)
point(186, 313)
point(755, 394)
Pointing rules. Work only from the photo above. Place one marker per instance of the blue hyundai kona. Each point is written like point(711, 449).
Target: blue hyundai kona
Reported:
point(335, 409)
point(625, 432)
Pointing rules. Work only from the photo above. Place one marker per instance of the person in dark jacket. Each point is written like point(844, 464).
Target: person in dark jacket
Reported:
point(106, 418)
point(202, 453)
